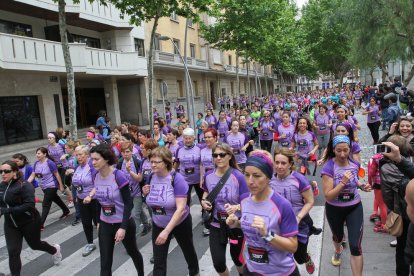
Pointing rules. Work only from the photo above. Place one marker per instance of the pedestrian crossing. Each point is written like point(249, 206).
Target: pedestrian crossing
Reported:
point(72, 240)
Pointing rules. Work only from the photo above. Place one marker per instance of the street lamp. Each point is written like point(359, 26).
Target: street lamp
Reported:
point(188, 95)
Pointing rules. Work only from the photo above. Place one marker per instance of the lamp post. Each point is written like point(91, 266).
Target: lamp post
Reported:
point(189, 93)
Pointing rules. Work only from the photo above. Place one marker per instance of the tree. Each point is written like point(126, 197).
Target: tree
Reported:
point(153, 10)
point(70, 75)
point(326, 36)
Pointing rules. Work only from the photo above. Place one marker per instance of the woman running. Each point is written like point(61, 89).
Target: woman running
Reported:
point(239, 143)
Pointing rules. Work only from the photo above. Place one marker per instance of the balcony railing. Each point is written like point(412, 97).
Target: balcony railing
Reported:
point(25, 53)
point(174, 59)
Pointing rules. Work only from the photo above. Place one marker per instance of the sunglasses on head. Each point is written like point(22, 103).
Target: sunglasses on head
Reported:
point(221, 154)
point(5, 171)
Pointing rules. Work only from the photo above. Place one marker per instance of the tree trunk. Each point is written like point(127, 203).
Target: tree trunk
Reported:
point(409, 77)
point(248, 78)
point(384, 72)
point(371, 73)
point(237, 73)
point(267, 86)
point(70, 76)
point(150, 67)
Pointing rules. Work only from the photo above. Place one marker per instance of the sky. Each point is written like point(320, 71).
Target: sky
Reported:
point(300, 3)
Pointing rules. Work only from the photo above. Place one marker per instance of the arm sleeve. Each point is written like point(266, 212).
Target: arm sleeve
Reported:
point(126, 197)
point(180, 186)
point(28, 200)
point(406, 167)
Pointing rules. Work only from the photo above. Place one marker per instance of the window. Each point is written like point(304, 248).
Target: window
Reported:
point(230, 60)
point(157, 42)
point(139, 47)
point(190, 23)
point(89, 41)
point(180, 91)
point(192, 50)
point(15, 28)
point(177, 43)
point(216, 56)
point(195, 89)
point(173, 16)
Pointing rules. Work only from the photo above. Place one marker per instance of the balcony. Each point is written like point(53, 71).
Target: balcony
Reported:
point(169, 59)
point(24, 53)
point(85, 14)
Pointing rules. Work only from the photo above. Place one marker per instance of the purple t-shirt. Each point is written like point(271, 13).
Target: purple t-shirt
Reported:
point(261, 257)
point(44, 173)
point(145, 169)
point(349, 195)
point(373, 115)
point(134, 187)
point(223, 128)
point(234, 187)
point(189, 158)
point(355, 148)
point(322, 122)
point(237, 142)
point(304, 143)
point(266, 134)
point(211, 120)
point(207, 159)
point(162, 195)
point(292, 188)
point(109, 196)
point(173, 148)
point(55, 152)
point(289, 131)
point(82, 179)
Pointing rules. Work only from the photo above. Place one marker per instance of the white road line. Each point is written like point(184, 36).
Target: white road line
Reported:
point(28, 255)
point(315, 242)
point(146, 251)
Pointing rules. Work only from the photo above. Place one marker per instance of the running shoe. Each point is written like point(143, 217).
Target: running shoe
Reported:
point(152, 260)
point(76, 221)
point(42, 228)
point(380, 229)
point(71, 204)
point(373, 217)
point(206, 232)
point(64, 215)
point(310, 266)
point(57, 257)
point(336, 258)
point(146, 230)
point(87, 250)
point(393, 243)
point(378, 223)
point(314, 231)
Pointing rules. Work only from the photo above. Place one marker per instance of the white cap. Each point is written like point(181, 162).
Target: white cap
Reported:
point(188, 132)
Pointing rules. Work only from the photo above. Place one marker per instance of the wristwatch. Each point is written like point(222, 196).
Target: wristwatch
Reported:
point(269, 237)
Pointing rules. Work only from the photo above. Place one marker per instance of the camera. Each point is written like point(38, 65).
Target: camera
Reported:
point(381, 149)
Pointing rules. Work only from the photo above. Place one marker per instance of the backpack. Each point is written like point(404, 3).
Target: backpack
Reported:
point(393, 184)
point(374, 170)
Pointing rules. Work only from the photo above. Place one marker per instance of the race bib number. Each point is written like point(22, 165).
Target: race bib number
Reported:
point(265, 134)
point(39, 175)
point(345, 197)
point(285, 144)
point(222, 215)
point(222, 135)
point(322, 127)
point(189, 171)
point(373, 118)
point(236, 151)
point(158, 211)
point(109, 210)
point(79, 188)
point(303, 143)
point(258, 255)
point(146, 172)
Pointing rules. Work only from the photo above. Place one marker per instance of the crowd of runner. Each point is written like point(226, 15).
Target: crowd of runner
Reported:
point(249, 165)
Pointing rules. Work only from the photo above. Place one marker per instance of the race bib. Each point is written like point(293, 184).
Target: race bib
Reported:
point(285, 144)
point(189, 171)
point(222, 215)
point(39, 175)
point(373, 118)
point(258, 255)
point(147, 172)
point(236, 151)
point(322, 127)
point(265, 134)
point(222, 135)
point(303, 143)
point(158, 211)
point(109, 210)
point(79, 188)
point(345, 197)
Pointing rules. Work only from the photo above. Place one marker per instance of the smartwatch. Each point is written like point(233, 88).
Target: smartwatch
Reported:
point(269, 237)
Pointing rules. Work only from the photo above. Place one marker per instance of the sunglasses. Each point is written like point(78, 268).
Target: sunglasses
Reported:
point(5, 171)
point(222, 155)
point(183, 122)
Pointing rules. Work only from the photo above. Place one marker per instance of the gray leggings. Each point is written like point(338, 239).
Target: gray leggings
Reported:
point(323, 141)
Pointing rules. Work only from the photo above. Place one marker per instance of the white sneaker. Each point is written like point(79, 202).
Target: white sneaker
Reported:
point(71, 204)
point(206, 232)
point(57, 257)
point(393, 243)
point(88, 249)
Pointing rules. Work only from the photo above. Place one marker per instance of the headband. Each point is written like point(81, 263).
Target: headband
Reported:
point(343, 107)
point(345, 125)
point(54, 134)
point(341, 139)
point(256, 160)
point(91, 134)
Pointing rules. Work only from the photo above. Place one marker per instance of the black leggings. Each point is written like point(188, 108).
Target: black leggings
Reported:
point(246, 272)
point(218, 248)
point(266, 145)
point(14, 238)
point(50, 195)
point(374, 129)
point(354, 217)
point(88, 215)
point(106, 235)
point(301, 254)
point(199, 192)
point(184, 236)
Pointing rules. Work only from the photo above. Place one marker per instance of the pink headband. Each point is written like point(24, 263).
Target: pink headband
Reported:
point(91, 134)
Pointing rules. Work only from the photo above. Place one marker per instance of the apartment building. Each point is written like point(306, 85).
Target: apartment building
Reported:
point(212, 72)
point(107, 56)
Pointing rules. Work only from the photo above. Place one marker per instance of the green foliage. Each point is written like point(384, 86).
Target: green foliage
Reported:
point(326, 37)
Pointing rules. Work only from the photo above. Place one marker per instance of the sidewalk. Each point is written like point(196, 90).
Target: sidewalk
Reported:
point(379, 257)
